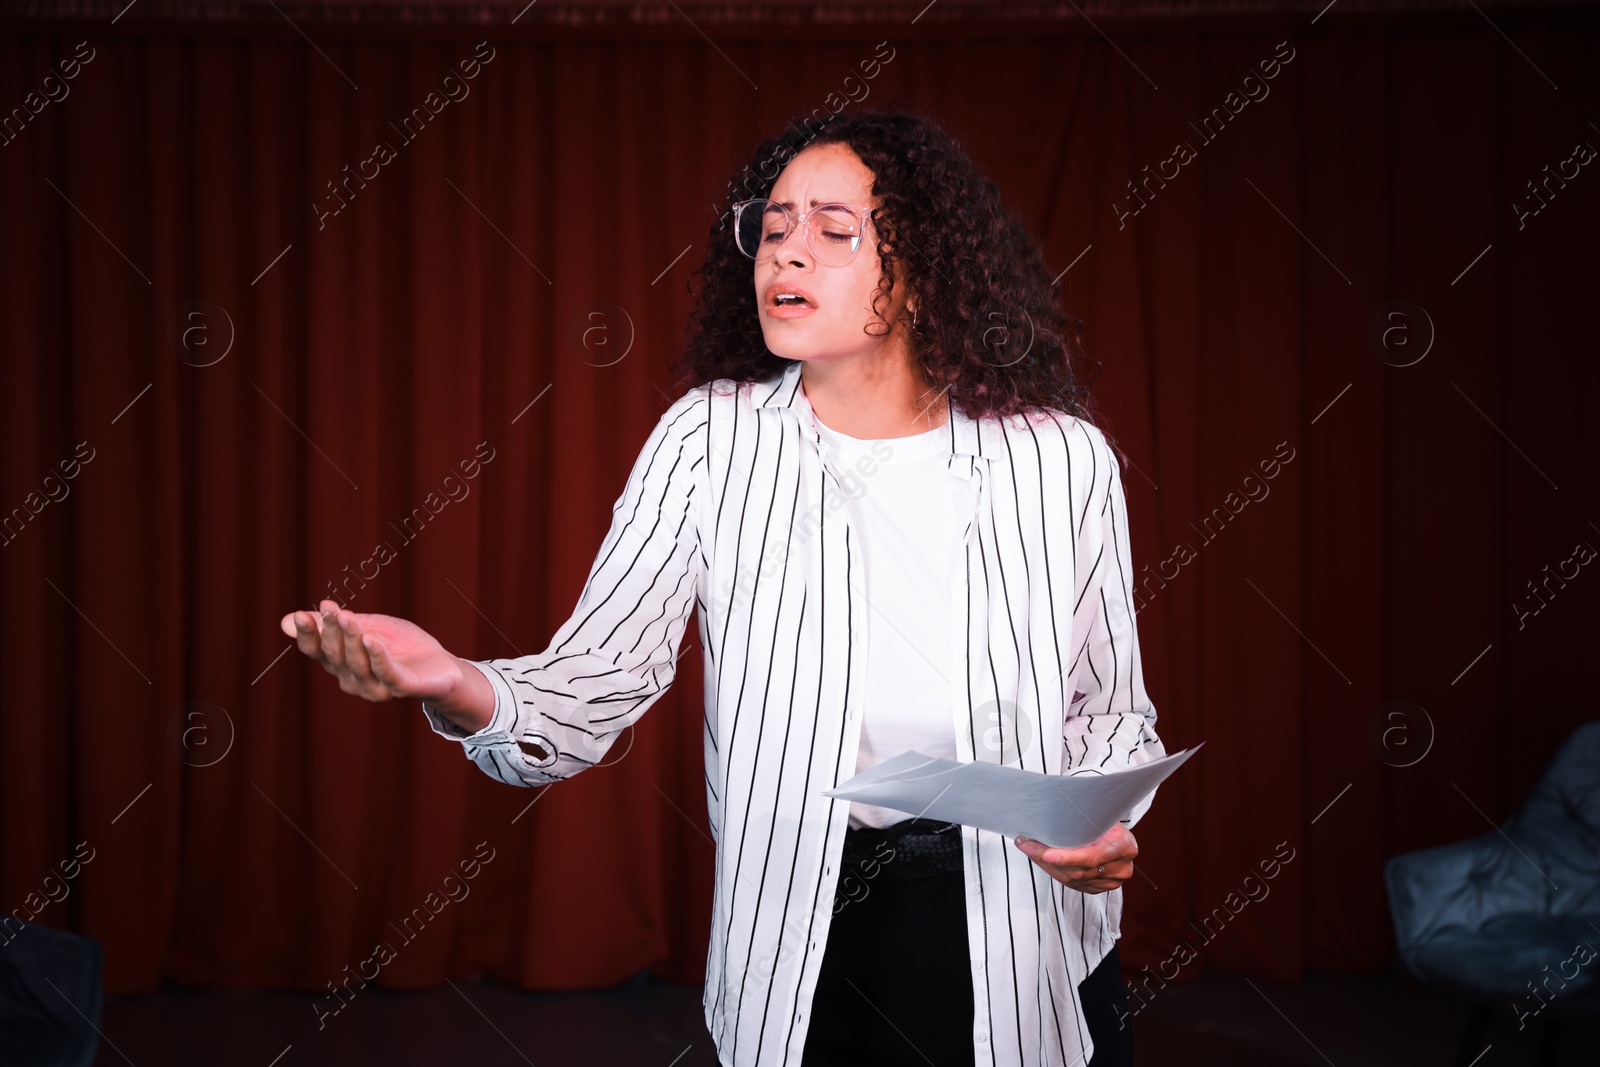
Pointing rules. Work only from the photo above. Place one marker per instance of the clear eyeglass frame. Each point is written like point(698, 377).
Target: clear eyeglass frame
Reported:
point(861, 215)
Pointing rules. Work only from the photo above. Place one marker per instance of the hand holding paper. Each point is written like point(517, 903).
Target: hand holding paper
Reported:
point(1059, 810)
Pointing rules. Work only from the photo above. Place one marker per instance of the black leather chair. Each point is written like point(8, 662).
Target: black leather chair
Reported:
point(50, 996)
point(1510, 920)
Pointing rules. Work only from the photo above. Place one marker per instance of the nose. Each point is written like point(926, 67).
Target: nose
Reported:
point(792, 249)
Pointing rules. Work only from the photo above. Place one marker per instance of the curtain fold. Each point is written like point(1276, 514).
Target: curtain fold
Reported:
point(391, 314)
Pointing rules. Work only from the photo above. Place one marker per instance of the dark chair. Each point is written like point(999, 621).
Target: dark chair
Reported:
point(1510, 920)
point(49, 996)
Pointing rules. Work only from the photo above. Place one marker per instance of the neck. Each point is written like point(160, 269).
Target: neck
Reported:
point(873, 400)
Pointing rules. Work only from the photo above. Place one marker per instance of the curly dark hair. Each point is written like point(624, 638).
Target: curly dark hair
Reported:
point(976, 272)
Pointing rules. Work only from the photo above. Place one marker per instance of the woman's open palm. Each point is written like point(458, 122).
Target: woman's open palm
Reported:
point(376, 657)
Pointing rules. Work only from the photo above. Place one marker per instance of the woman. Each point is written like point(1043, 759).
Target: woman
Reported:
point(882, 488)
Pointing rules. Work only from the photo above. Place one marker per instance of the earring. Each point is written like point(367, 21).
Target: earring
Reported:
point(913, 318)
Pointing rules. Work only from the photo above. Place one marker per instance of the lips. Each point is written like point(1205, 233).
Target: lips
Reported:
point(789, 291)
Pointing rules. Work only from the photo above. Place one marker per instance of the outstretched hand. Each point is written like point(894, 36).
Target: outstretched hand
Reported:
point(1096, 868)
point(376, 657)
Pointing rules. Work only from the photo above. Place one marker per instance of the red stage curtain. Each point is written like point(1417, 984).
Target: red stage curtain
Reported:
point(167, 207)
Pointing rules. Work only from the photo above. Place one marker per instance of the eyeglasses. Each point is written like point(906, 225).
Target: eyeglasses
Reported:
point(832, 232)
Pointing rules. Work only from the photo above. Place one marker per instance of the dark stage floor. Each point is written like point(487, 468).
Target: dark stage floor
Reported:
point(1338, 1019)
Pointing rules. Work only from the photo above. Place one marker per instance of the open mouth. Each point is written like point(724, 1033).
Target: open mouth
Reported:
point(785, 300)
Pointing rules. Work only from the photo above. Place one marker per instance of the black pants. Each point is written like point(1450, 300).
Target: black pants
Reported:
point(896, 983)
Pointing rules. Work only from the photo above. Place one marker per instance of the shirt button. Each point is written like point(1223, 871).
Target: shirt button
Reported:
point(983, 1039)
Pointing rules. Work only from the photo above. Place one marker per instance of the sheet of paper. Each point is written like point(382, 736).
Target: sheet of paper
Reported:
point(1060, 810)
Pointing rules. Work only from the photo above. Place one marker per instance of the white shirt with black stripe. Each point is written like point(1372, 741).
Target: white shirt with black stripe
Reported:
point(734, 506)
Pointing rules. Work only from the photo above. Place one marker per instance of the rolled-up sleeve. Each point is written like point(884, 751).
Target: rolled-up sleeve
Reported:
point(618, 651)
point(1110, 723)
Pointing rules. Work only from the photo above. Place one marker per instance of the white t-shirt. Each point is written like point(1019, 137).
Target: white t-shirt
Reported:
point(911, 505)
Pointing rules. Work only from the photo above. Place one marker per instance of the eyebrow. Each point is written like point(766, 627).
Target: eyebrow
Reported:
point(789, 204)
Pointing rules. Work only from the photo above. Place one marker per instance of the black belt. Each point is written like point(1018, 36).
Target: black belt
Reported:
point(914, 848)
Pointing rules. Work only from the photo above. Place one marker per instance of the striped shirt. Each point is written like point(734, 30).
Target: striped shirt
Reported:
point(734, 507)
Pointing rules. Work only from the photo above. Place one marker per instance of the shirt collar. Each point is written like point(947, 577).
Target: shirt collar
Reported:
point(970, 437)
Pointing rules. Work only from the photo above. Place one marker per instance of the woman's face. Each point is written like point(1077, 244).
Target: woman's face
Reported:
point(833, 327)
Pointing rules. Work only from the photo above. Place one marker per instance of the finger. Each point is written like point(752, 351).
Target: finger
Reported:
point(1120, 845)
point(1115, 844)
point(1074, 859)
point(307, 639)
point(1087, 880)
point(286, 624)
point(333, 640)
point(355, 656)
point(1056, 856)
point(1108, 856)
point(1076, 863)
point(1081, 866)
point(1103, 879)
point(383, 668)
